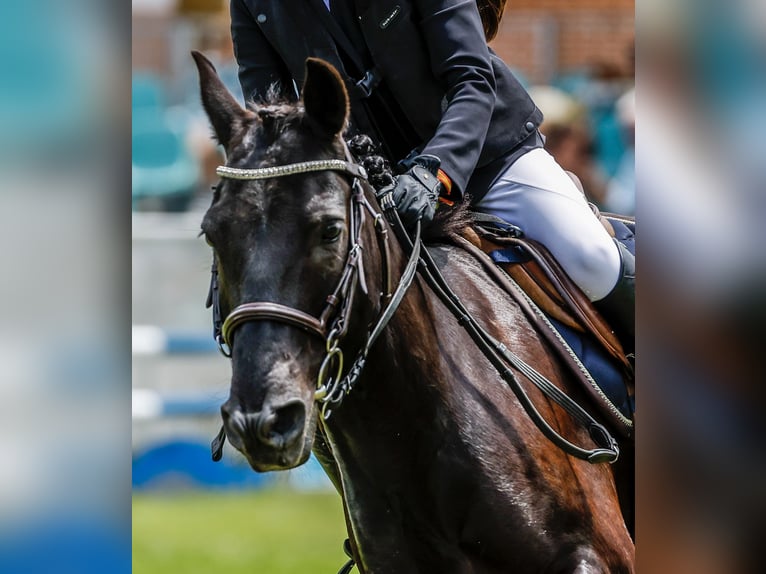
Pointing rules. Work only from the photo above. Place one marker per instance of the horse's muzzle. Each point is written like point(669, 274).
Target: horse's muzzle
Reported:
point(270, 439)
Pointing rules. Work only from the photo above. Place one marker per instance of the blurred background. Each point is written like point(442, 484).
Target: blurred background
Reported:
point(575, 56)
point(64, 287)
point(189, 513)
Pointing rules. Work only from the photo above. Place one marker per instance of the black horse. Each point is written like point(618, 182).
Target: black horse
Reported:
point(439, 467)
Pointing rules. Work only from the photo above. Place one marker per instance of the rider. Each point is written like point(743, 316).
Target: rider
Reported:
point(423, 82)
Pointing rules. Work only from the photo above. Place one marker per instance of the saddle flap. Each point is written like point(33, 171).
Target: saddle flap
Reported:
point(548, 285)
point(534, 271)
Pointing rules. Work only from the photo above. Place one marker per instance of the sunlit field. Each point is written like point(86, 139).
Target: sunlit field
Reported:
point(275, 531)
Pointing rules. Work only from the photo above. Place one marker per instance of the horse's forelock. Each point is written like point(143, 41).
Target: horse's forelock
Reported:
point(274, 112)
point(277, 135)
point(273, 117)
point(272, 97)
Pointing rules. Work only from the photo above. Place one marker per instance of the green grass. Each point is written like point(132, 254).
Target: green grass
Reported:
point(273, 531)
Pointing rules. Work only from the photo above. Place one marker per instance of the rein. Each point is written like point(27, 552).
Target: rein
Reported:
point(501, 357)
point(332, 323)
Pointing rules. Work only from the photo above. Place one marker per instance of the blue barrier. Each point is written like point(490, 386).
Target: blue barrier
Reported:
point(150, 404)
point(151, 340)
point(184, 461)
point(188, 463)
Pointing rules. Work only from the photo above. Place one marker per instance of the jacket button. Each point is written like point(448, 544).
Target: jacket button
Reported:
point(529, 126)
point(261, 18)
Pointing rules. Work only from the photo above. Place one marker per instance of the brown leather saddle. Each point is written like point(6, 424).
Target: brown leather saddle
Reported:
point(550, 289)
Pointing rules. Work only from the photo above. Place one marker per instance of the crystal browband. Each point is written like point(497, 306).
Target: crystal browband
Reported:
point(291, 169)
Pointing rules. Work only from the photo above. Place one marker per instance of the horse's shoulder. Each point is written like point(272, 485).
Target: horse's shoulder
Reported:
point(455, 263)
point(466, 275)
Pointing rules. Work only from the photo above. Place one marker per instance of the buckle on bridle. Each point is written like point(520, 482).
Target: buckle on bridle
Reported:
point(222, 346)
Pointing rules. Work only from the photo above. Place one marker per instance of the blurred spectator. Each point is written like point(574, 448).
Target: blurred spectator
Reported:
point(703, 284)
point(568, 138)
point(606, 83)
point(621, 190)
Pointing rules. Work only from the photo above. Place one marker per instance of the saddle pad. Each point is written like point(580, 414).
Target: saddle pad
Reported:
point(601, 367)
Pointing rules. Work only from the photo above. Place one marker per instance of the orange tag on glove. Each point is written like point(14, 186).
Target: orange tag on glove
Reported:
point(447, 185)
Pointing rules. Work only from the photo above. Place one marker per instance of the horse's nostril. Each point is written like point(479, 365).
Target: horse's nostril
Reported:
point(265, 426)
point(283, 423)
point(290, 416)
point(234, 420)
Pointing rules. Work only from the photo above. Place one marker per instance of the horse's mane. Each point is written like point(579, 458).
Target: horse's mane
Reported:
point(448, 221)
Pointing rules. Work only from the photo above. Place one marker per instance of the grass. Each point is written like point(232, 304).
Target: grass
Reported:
point(274, 531)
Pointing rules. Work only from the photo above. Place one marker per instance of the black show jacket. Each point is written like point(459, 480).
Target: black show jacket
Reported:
point(462, 101)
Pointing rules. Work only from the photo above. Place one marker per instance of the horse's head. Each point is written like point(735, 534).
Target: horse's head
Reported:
point(281, 245)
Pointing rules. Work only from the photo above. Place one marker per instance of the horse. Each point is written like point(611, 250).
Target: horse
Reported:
point(438, 467)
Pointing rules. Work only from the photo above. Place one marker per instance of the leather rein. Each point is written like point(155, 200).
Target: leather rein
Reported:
point(332, 323)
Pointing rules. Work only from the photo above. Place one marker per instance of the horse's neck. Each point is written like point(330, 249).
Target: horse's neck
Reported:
point(397, 436)
point(398, 391)
point(398, 398)
point(403, 360)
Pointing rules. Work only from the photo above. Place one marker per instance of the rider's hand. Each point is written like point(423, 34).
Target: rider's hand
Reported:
point(416, 191)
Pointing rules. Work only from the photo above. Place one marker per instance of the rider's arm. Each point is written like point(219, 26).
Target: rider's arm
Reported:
point(259, 64)
point(454, 36)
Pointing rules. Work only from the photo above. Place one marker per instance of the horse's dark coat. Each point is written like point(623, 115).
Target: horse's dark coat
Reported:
point(439, 467)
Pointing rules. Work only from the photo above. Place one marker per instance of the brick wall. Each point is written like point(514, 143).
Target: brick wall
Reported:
point(565, 5)
point(541, 38)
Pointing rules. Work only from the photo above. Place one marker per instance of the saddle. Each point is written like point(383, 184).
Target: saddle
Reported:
point(521, 264)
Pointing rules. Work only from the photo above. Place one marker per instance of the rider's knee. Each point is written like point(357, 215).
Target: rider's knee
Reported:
point(595, 267)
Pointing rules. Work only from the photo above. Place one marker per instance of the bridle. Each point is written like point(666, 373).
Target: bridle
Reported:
point(273, 311)
point(332, 323)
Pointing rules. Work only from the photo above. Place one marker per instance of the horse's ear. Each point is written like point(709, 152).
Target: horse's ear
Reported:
point(224, 112)
point(325, 98)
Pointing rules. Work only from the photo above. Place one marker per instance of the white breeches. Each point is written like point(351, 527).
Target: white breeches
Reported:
point(537, 195)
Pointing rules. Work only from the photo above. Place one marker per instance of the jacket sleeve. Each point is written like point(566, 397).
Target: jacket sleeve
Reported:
point(260, 65)
point(460, 59)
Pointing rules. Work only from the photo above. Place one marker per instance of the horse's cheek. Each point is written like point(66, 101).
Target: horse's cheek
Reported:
point(326, 262)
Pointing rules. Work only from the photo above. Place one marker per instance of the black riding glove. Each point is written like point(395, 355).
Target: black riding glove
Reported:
point(416, 191)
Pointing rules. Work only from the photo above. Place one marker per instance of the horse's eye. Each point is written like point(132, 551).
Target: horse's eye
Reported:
point(331, 232)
